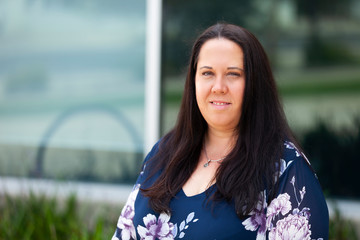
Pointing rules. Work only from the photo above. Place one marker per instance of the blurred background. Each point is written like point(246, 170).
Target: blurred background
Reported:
point(72, 111)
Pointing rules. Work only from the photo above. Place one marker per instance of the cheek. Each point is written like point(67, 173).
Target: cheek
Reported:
point(240, 88)
point(198, 91)
point(239, 91)
point(241, 95)
point(198, 98)
point(201, 99)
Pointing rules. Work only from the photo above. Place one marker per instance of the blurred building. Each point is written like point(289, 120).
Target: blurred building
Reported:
point(72, 89)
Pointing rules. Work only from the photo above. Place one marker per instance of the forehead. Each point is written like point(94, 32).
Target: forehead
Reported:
point(220, 50)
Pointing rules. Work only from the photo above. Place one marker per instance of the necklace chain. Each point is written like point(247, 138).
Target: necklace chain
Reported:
point(211, 160)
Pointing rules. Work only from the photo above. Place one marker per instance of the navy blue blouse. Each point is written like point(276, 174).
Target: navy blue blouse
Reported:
point(298, 212)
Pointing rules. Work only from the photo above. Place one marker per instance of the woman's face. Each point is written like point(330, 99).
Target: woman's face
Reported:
point(220, 83)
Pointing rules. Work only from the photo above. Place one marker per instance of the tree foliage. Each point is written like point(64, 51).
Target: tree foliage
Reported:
point(335, 157)
point(184, 20)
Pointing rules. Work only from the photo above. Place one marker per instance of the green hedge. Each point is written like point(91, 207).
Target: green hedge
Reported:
point(335, 156)
point(39, 217)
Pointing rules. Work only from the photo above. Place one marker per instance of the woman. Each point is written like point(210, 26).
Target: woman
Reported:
point(230, 168)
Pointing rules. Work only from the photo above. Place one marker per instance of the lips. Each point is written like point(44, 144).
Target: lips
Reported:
point(220, 104)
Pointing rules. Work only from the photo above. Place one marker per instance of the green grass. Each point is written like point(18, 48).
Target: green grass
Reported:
point(341, 229)
point(39, 217)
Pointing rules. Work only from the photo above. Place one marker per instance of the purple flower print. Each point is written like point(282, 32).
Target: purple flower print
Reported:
point(283, 166)
point(280, 204)
point(290, 145)
point(289, 225)
point(293, 181)
point(125, 222)
point(154, 228)
point(143, 170)
point(184, 225)
point(257, 221)
point(280, 168)
point(302, 193)
point(295, 227)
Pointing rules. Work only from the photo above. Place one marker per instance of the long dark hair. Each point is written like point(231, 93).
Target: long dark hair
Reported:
point(250, 166)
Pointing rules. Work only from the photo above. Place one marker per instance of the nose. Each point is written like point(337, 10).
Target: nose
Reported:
point(220, 85)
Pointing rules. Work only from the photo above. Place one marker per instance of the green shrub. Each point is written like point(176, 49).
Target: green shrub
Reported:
point(340, 228)
point(335, 157)
point(322, 52)
point(39, 217)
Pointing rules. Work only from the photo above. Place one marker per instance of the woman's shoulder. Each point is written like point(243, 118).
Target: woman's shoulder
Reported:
point(159, 146)
point(292, 157)
point(292, 152)
point(150, 167)
point(153, 151)
point(298, 210)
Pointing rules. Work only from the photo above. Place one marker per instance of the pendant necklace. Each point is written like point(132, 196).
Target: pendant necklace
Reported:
point(211, 160)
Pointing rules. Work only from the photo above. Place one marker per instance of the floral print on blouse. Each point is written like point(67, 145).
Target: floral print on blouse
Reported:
point(298, 212)
point(294, 226)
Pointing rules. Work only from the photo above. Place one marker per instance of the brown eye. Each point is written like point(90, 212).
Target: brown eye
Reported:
point(207, 73)
point(234, 74)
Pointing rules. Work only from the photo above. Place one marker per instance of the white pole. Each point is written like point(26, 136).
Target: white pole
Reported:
point(152, 73)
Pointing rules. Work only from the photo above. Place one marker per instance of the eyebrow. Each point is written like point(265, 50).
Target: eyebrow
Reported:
point(236, 68)
point(229, 68)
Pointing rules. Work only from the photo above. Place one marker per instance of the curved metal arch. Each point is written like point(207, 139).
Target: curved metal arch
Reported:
point(39, 159)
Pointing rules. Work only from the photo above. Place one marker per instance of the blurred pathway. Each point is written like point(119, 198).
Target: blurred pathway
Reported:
point(91, 192)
